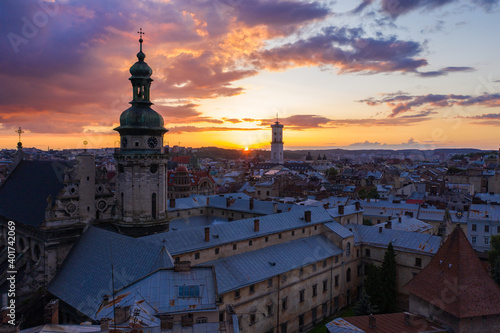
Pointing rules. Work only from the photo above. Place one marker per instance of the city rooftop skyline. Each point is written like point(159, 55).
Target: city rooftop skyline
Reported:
point(356, 75)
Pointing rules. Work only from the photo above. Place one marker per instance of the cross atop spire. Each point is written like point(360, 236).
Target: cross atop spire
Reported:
point(141, 33)
point(19, 131)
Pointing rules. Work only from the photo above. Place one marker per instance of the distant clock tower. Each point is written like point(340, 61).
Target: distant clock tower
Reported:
point(277, 143)
point(142, 163)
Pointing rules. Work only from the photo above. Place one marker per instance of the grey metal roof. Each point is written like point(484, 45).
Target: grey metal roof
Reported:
point(401, 240)
point(85, 276)
point(195, 221)
point(248, 268)
point(188, 240)
point(348, 210)
point(160, 291)
point(339, 229)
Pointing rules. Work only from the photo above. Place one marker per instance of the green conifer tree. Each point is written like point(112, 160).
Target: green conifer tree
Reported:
point(389, 281)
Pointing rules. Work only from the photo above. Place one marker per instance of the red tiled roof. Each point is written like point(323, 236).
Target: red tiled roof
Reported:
point(456, 282)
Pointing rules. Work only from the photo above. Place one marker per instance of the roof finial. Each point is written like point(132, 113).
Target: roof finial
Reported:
point(277, 119)
point(141, 33)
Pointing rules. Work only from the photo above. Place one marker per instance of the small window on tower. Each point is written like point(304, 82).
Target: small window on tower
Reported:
point(137, 143)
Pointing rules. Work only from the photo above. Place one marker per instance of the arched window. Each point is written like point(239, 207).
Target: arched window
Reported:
point(348, 249)
point(348, 275)
point(153, 205)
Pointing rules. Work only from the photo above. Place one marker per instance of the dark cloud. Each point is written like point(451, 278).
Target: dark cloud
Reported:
point(446, 70)
point(185, 113)
point(410, 144)
point(361, 6)
point(300, 122)
point(192, 129)
point(279, 13)
point(406, 103)
point(395, 8)
point(347, 50)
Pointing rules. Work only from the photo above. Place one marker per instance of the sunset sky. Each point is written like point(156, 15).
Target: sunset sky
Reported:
point(340, 74)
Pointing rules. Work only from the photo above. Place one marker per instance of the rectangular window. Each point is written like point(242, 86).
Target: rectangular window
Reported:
point(279, 236)
point(293, 232)
point(266, 239)
point(498, 229)
point(284, 303)
point(336, 259)
point(486, 228)
point(359, 270)
point(283, 278)
point(270, 310)
point(250, 243)
point(252, 319)
point(336, 280)
point(303, 230)
point(368, 252)
point(197, 255)
point(201, 211)
point(237, 293)
point(314, 267)
point(418, 262)
point(301, 296)
point(324, 308)
point(357, 253)
point(201, 320)
point(474, 227)
point(336, 303)
point(473, 239)
point(270, 282)
point(325, 285)
point(284, 327)
point(324, 263)
point(235, 246)
point(301, 321)
point(486, 241)
point(252, 289)
point(216, 250)
point(301, 271)
point(189, 291)
point(315, 290)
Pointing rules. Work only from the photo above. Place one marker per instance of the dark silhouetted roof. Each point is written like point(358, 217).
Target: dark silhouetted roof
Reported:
point(23, 196)
point(456, 282)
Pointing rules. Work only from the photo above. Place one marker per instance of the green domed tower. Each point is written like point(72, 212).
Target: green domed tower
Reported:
point(142, 163)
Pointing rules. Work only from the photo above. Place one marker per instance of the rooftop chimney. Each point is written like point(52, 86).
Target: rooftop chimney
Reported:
point(399, 219)
point(51, 313)
point(208, 201)
point(379, 229)
point(172, 203)
point(256, 225)
point(357, 204)
point(307, 216)
point(326, 205)
point(341, 209)
point(251, 203)
point(388, 225)
point(275, 207)
point(372, 321)
point(105, 324)
point(207, 234)
point(228, 202)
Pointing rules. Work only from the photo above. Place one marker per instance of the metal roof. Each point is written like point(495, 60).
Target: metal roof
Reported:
point(193, 239)
point(339, 229)
point(85, 276)
point(244, 269)
point(401, 240)
point(160, 292)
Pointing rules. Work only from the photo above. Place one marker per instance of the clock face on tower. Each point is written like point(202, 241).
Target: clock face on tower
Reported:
point(152, 142)
point(124, 142)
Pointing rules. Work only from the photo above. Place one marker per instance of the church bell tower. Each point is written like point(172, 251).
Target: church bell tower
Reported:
point(142, 163)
